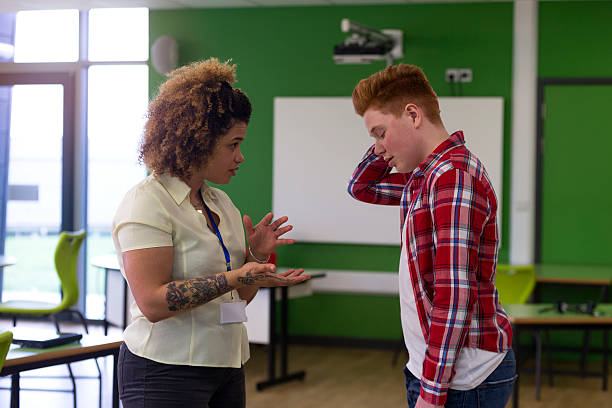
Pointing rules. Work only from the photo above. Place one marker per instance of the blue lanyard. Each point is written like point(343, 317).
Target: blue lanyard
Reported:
point(218, 233)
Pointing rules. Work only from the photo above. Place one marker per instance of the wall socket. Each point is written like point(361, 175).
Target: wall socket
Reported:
point(459, 75)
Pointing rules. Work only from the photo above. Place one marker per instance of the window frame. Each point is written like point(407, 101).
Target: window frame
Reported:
point(75, 154)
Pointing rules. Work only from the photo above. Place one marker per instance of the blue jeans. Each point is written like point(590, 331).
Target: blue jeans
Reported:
point(494, 392)
point(145, 383)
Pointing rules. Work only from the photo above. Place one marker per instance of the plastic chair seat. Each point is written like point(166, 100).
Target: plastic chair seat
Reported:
point(5, 344)
point(66, 254)
point(514, 283)
point(26, 307)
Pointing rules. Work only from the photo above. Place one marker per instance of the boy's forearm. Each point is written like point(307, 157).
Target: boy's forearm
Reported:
point(372, 181)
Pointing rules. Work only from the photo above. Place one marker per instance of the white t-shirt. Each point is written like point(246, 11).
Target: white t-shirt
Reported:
point(473, 365)
point(157, 213)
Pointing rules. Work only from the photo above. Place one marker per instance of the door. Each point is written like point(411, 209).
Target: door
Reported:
point(574, 173)
point(36, 187)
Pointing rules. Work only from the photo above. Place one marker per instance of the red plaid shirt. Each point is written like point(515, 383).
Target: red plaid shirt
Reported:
point(451, 242)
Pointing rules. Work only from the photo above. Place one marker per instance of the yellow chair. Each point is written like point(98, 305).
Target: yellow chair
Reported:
point(5, 342)
point(515, 283)
point(66, 257)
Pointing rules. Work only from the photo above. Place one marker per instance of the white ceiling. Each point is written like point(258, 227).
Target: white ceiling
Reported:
point(8, 6)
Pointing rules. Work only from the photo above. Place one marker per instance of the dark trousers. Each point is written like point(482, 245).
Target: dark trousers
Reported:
point(144, 383)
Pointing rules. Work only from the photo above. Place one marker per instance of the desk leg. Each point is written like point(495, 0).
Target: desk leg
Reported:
point(284, 377)
point(538, 363)
point(105, 301)
point(271, 342)
point(516, 345)
point(605, 294)
point(272, 336)
point(15, 390)
point(126, 306)
point(115, 380)
point(284, 331)
point(605, 359)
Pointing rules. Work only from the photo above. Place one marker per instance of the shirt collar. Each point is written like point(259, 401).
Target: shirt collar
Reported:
point(177, 188)
point(455, 140)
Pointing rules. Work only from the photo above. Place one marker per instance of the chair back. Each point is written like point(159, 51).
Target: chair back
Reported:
point(66, 255)
point(514, 283)
point(5, 343)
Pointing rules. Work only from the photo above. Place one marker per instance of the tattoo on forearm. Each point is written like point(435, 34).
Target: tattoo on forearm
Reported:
point(251, 279)
point(195, 292)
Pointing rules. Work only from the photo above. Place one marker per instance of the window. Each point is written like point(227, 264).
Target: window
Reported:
point(47, 36)
point(113, 75)
point(119, 34)
point(116, 114)
point(117, 102)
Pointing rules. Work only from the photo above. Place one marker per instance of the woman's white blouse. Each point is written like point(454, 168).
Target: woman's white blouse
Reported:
point(157, 213)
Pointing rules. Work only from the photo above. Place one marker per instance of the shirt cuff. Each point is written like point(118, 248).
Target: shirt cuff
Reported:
point(433, 393)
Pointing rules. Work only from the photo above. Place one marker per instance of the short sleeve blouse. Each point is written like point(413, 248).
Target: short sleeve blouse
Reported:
point(156, 213)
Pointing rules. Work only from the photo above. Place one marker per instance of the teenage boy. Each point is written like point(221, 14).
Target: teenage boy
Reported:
point(457, 334)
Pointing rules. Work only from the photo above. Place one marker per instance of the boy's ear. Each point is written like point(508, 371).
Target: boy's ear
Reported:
point(413, 112)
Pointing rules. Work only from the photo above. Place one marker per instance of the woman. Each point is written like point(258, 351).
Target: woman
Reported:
point(183, 251)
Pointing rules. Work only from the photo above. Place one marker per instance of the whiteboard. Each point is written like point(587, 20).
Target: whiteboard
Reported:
point(318, 142)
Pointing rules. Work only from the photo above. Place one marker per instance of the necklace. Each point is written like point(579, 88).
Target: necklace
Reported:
point(198, 206)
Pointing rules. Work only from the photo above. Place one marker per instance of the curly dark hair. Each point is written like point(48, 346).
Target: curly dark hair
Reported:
point(195, 106)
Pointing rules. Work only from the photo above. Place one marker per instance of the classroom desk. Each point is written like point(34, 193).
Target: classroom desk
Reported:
point(282, 340)
point(598, 276)
point(531, 317)
point(91, 346)
point(115, 312)
point(575, 275)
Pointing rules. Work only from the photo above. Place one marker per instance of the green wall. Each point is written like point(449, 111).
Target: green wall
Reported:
point(574, 42)
point(574, 39)
point(287, 51)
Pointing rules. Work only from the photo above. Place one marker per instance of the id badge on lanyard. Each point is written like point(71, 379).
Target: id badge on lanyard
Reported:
point(230, 312)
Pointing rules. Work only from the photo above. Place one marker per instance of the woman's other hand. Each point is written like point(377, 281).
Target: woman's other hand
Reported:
point(264, 237)
point(264, 275)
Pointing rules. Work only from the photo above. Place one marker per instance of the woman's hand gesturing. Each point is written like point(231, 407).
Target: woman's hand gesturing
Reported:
point(264, 237)
point(263, 275)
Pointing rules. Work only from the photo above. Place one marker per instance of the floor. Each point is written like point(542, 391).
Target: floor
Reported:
point(335, 378)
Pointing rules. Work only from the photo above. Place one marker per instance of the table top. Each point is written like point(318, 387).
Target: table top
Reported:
point(108, 261)
point(574, 274)
point(89, 343)
point(545, 313)
point(7, 260)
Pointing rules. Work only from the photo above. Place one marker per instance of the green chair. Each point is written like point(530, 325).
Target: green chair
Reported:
point(515, 283)
point(66, 256)
point(5, 342)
